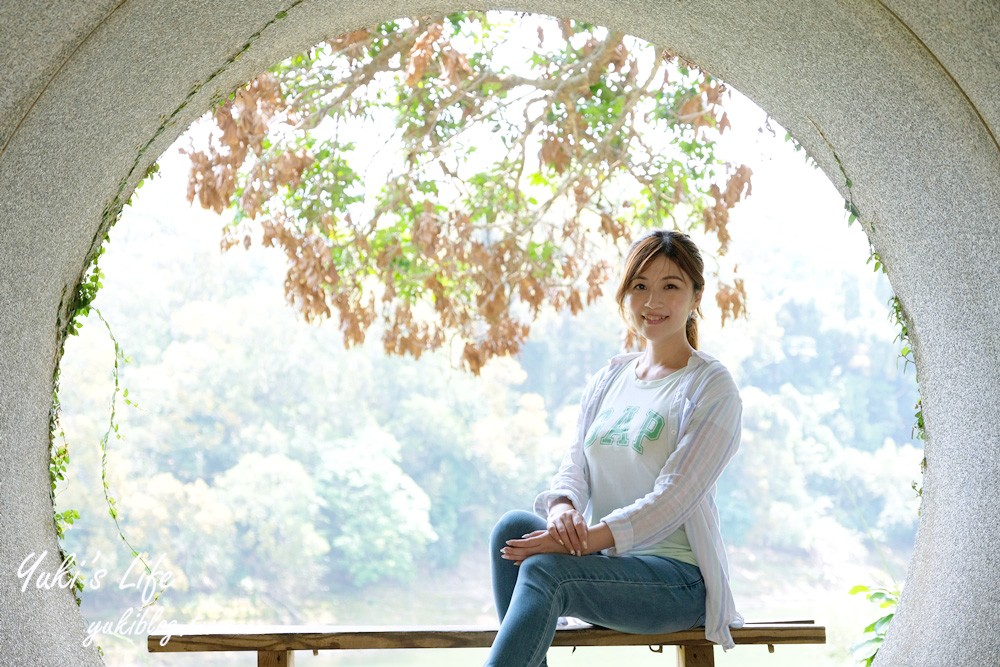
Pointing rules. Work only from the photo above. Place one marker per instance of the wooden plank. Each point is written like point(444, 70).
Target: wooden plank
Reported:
point(798, 633)
point(288, 638)
point(198, 638)
point(696, 656)
point(275, 659)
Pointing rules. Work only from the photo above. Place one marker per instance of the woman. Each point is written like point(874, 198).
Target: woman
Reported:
point(630, 538)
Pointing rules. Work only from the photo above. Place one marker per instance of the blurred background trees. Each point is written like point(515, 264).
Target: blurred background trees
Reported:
point(518, 155)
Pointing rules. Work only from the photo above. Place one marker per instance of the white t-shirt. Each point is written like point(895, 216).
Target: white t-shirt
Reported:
point(633, 434)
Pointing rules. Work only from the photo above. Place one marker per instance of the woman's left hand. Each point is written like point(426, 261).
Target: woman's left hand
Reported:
point(538, 542)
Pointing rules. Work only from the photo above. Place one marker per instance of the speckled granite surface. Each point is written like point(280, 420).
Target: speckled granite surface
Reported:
point(903, 93)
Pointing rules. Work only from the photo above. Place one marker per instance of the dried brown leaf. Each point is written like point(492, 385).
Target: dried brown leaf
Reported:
point(421, 54)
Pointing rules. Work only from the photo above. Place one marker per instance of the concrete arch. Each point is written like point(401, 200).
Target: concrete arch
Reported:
point(897, 96)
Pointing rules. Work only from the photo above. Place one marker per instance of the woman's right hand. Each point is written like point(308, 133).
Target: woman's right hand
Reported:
point(568, 527)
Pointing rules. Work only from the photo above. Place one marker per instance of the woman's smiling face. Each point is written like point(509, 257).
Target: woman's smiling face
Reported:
point(659, 300)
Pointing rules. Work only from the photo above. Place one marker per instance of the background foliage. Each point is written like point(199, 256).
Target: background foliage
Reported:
point(509, 182)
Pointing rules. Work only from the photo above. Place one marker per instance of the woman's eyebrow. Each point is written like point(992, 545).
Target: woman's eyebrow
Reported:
point(642, 277)
point(664, 278)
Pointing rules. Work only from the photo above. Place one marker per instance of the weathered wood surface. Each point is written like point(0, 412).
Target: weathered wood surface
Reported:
point(197, 638)
point(275, 659)
point(696, 656)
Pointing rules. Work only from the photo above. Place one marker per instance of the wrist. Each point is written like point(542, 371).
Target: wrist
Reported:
point(560, 505)
point(599, 538)
point(557, 511)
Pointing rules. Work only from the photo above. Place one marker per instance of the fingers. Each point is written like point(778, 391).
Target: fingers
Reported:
point(530, 541)
point(566, 535)
point(536, 542)
point(570, 530)
point(518, 550)
point(556, 524)
point(569, 540)
point(582, 532)
point(513, 554)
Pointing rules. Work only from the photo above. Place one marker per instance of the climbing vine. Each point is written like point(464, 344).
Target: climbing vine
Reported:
point(58, 467)
point(58, 444)
point(897, 312)
point(80, 308)
point(887, 598)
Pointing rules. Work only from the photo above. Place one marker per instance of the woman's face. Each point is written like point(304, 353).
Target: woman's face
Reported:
point(659, 300)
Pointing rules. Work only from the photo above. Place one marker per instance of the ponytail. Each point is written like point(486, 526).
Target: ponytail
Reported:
point(692, 330)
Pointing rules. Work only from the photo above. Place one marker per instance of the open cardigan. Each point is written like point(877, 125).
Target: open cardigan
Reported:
point(707, 437)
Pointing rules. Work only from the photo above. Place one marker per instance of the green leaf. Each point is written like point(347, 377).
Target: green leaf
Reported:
point(867, 648)
point(882, 624)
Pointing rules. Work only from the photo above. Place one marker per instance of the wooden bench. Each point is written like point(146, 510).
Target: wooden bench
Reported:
point(274, 644)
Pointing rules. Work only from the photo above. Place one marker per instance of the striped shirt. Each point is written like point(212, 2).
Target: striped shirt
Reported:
point(683, 495)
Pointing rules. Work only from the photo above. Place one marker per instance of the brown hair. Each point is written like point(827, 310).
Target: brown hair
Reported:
point(678, 248)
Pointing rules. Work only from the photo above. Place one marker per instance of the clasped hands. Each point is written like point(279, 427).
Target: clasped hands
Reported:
point(567, 533)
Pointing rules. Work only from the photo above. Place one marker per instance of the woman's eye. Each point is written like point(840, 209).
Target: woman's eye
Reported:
point(639, 286)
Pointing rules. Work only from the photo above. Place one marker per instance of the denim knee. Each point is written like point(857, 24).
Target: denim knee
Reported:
point(544, 567)
point(512, 525)
point(545, 570)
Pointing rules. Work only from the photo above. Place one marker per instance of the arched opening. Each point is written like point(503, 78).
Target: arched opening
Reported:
point(903, 47)
point(243, 455)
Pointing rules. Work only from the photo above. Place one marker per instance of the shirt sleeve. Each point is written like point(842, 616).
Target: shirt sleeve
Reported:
point(708, 437)
point(572, 479)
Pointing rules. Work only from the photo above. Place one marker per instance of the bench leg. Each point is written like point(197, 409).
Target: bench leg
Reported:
point(275, 659)
point(695, 656)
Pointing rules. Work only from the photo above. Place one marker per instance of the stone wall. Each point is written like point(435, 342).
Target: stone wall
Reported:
point(898, 94)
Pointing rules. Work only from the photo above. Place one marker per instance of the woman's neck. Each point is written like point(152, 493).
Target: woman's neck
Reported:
point(665, 357)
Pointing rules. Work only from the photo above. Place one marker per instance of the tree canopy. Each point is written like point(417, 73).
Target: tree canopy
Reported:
point(511, 177)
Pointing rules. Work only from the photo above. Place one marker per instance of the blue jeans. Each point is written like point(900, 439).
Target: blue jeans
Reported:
point(639, 594)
